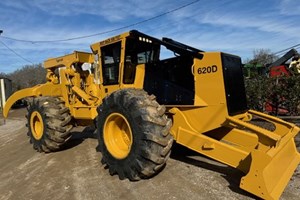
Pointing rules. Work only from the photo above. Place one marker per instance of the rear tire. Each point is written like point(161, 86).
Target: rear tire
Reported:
point(133, 134)
point(49, 123)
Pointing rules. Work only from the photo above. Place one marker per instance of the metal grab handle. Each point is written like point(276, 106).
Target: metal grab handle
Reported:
point(192, 68)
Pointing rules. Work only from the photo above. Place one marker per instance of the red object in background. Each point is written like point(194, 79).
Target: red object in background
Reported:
point(279, 71)
point(280, 68)
point(271, 109)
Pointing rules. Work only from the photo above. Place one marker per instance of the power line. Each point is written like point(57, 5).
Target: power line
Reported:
point(16, 53)
point(105, 32)
point(285, 50)
point(280, 52)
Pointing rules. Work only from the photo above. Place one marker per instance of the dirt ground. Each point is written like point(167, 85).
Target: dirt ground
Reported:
point(76, 172)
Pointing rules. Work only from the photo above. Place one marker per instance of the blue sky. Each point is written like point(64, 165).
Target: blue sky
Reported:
point(232, 26)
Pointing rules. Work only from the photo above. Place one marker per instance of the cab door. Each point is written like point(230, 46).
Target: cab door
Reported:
point(111, 62)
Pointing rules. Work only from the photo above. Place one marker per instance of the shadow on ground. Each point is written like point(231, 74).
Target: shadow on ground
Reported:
point(78, 137)
point(179, 153)
point(231, 175)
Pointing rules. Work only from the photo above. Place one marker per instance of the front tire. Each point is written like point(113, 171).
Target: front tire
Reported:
point(49, 123)
point(133, 134)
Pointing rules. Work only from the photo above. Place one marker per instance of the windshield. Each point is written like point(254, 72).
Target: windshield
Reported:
point(141, 52)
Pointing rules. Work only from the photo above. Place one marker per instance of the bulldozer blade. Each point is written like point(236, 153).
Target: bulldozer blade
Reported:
point(270, 172)
point(272, 162)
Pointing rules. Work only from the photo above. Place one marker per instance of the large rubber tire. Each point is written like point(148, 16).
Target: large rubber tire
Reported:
point(147, 127)
point(49, 123)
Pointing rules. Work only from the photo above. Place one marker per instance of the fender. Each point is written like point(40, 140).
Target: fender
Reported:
point(47, 89)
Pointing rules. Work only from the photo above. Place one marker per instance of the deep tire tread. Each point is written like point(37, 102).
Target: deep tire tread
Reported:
point(153, 141)
point(57, 123)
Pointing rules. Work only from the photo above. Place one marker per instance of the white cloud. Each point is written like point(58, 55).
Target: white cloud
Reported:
point(266, 25)
point(289, 7)
point(228, 25)
point(112, 10)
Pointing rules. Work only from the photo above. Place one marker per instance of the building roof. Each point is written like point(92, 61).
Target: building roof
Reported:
point(2, 77)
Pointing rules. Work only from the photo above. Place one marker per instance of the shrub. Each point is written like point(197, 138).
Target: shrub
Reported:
point(282, 92)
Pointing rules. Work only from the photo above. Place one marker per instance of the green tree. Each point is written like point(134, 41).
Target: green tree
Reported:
point(281, 92)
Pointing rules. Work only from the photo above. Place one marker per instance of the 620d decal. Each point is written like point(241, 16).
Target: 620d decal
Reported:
point(207, 70)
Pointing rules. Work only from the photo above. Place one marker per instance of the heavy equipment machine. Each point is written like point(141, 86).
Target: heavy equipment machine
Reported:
point(278, 69)
point(141, 102)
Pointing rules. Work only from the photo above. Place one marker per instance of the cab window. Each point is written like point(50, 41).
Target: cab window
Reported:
point(110, 59)
point(138, 52)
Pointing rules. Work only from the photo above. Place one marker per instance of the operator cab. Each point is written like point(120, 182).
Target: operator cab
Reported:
point(169, 78)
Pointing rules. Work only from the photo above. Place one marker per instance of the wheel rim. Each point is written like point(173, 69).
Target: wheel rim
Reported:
point(117, 135)
point(36, 125)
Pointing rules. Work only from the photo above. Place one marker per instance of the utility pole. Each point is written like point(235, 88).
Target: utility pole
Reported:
point(2, 88)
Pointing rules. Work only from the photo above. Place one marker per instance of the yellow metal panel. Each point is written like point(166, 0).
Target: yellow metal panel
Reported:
point(185, 134)
point(268, 136)
point(281, 127)
point(268, 175)
point(139, 78)
point(84, 112)
point(220, 151)
point(210, 99)
point(96, 46)
point(65, 91)
point(108, 89)
point(209, 83)
point(235, 137)
point(67, 60)
point(203, 119)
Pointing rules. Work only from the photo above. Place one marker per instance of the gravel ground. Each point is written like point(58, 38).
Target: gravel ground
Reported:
point(76, 172)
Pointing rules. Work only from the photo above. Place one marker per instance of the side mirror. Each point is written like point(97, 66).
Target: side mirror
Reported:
point(86, 67)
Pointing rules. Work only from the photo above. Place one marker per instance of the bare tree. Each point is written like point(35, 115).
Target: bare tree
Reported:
point(27, 76)
point(3, 75)
point(262, 57)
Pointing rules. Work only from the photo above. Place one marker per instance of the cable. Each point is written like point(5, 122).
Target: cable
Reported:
point(279, 52)
point(16, 53)
point(105, 32)
point(284, 52)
